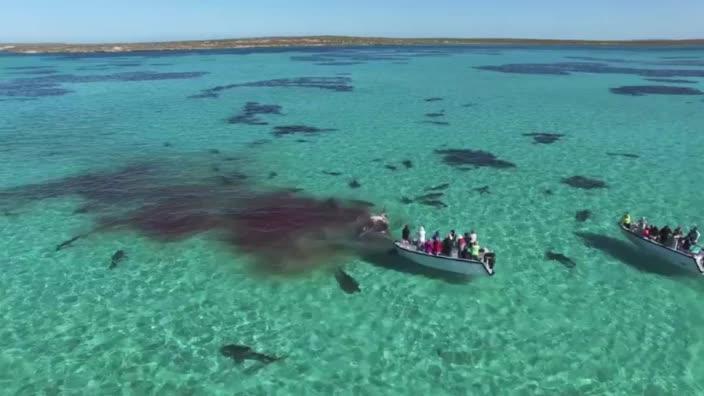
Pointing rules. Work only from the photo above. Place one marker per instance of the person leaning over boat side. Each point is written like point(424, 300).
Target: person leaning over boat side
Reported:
point(693, 235)
point(447, 245)
point(406, 234)
point(428, 246)
point(654, 232)
point(461, 244)
point(645, 233)
point(676, 236)
point(437, 245)
point(626, 220)
point(665, 234)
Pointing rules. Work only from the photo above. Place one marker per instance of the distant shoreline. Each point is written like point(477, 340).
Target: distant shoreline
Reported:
point(325, 41)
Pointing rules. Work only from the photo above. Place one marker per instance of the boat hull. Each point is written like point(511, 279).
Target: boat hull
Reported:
point(443, 263)
point(688, 262)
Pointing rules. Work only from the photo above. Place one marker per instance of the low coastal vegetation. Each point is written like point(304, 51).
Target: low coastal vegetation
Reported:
point(313, 41)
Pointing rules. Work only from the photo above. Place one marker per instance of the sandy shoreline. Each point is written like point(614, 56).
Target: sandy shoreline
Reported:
point(282, 42)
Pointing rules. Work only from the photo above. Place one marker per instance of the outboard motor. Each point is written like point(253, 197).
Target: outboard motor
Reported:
point(490, 259)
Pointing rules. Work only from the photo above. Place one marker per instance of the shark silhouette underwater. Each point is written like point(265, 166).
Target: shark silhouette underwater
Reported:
point(240, 353)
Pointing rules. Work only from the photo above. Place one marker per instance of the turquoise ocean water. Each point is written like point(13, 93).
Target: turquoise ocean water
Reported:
point(616, 323)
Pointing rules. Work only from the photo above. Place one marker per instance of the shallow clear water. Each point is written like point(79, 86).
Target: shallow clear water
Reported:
point(616, 323)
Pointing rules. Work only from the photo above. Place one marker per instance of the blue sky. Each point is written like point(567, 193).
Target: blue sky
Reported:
point(156, 20)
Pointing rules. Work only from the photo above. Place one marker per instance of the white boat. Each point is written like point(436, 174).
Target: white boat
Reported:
point(685, 260)
point(448, 264)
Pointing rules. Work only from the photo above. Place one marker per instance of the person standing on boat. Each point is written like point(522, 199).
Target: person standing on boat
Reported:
point(437, 245)
point(665, 234)
point(472, 237)
point(406, 234)
point(474, 252)
point(447, 245)
point(642, 224)
point(421, 235)
point(676, 236)
point(626, 220)
point(461, 244)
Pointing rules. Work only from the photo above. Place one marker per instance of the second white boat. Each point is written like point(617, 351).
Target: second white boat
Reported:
point(685, 260)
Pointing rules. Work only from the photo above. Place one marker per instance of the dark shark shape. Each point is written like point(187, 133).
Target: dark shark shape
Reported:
point(583, 215)
point(240, 353)
point(439, 187)
point(116, 258)
point(483, 190)
point(561, 258)
point(68, 243)
point(346, 282)
point(429, 196)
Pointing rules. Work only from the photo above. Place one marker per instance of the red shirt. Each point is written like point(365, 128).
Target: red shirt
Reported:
point(437, 247)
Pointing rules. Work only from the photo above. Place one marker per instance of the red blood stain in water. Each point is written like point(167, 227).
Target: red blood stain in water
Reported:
point(283, 232)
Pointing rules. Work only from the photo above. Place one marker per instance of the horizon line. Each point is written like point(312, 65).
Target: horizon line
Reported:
point(332, 36)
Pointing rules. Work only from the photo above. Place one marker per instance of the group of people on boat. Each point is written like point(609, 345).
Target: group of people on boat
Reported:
point(453, 245)
point(674, 239)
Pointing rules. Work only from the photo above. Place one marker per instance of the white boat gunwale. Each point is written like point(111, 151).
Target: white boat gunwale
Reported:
point(409, 249)
point(691, 256)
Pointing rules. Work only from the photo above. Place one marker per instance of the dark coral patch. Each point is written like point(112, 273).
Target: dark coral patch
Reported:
point(433, 99)
point(443, 123)
point(37, 72)
point(407, 163)
point(27, 67)
point(302, 129)
point(351, 63)
point(406, 200)
point(338, 84)
point(671, 81)
point(251, 110)
point(566, 68)
point(584, 182)
point(391, 167)
point(625, 155)
point(51, 85)
point(544, 137)
point(354, 184)
point(640, 90)
point(478, 158)
point(258, 142)
point(680, 57)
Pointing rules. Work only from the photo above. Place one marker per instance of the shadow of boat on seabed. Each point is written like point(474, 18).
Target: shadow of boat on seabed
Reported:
point(625, 252)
